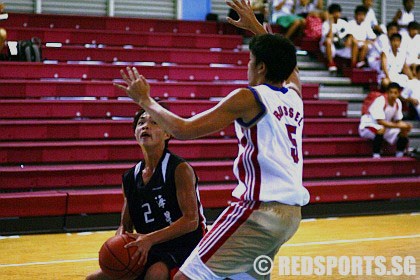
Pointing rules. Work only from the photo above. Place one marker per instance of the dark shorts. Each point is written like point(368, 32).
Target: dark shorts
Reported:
point(173, 258)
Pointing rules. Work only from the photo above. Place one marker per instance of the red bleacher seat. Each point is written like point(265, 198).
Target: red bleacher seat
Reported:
point(120, 129)
point(363, 189)
point(109, 23)
point(120, 38)
point(58, 109)
point(215, 171)
point(32, 204)
point(159, 55)
point(106, 201)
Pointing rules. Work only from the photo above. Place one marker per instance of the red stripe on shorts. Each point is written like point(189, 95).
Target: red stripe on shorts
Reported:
point(227, 224)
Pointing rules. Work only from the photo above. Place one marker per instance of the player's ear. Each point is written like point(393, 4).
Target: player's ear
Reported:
point(262, 68)
point(167, 136)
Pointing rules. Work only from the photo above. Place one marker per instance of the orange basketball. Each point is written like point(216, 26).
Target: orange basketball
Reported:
point(115, 260)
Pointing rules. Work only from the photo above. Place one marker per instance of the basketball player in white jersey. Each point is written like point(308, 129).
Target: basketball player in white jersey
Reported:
point(269, 119)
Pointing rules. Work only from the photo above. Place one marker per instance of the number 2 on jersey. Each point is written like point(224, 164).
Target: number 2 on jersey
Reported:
point(291, 130)
point(147, 213)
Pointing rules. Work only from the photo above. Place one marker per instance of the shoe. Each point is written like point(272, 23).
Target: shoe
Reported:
point(332, 67)
point(399, 154)
point(376, 156)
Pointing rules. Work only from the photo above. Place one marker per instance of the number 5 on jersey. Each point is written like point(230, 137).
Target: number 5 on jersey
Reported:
point(291, 130)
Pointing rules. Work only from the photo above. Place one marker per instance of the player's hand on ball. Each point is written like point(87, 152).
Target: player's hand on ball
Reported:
point(143, 244)
point(137, 87)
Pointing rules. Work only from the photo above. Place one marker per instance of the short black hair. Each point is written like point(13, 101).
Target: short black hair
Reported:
point(392, 24)
point(360, 9)
point(413, 25)
point(334, 8)
point(394, 85)
point(395, 36)
point(278, 54)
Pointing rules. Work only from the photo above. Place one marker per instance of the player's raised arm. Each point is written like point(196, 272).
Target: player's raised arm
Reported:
point(238, 104)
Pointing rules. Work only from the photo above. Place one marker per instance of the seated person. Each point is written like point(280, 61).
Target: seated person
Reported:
point(362, 33)
point(314, 16)
point(283, 15)
point(371, 19)
point(394, 67)
point(411, 42)
point(405, 15)
point(381, 44)
point(161, 203)
point(336, 39)
point(412, 95)
point(384, 121)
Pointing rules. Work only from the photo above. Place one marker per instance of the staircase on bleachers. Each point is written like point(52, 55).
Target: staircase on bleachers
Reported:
point(66, 131)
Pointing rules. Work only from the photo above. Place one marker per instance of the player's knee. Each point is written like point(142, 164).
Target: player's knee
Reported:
point(158, 271)
point(180, 276)
point(380, 131)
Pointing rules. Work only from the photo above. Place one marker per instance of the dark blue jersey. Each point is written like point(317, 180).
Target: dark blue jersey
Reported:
point(154, 205)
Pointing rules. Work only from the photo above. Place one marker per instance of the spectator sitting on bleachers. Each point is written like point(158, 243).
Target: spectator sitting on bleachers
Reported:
point(412, 95)
point(3, 33)
point(336, 39)
point(384, 121)
point(411, 41)
point(394, 67)
point(314, 16)
point(283, 15)
point(405, 15)
point(382, 43)
point(363, 34)
point(371, 19)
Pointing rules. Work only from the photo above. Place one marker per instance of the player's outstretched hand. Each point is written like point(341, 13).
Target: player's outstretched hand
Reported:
point(137, 87)
point(247, 19)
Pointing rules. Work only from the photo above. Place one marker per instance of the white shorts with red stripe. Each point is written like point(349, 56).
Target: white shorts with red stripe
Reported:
point(243, 232)
point(390, 135)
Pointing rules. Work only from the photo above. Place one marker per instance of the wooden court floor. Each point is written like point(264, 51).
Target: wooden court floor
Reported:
point(74, 255)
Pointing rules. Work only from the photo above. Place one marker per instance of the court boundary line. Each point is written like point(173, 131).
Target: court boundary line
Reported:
point(338, 241)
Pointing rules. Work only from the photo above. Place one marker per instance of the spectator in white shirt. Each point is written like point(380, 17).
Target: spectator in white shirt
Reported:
point(412, 95)
point(371, 19)
point(380, 45)
point(283, 15)
point(336, 39)
point(394, 66)
point(362, 33)
point(405, 15)
point(384, 121)
point(411, 42)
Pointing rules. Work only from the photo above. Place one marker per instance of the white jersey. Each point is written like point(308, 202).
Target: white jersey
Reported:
point(381, 110)
point(270, 162)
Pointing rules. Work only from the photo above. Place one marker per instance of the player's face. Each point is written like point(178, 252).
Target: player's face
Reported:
point(393, 94)
point(149, 133)
point(252, 71)
point(392, 30)
point(359, 17)
point(395, 43)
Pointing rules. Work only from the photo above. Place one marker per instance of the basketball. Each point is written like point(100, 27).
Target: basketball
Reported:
point(115, 260)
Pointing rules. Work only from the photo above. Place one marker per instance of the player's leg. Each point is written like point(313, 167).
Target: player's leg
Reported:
point(3, 37)
point(240, 235)
point(157, 271)
point(98, 275)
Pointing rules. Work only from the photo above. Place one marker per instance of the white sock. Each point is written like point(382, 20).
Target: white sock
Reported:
point(376, 156)
point(399, 154)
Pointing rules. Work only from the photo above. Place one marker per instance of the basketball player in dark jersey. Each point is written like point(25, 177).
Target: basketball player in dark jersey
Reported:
point(161, 203)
